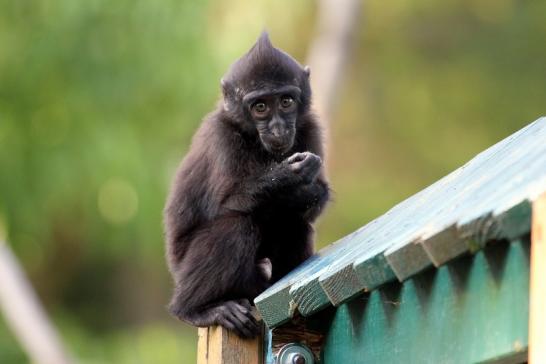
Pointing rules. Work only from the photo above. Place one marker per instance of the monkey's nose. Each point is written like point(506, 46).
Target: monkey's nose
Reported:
point(279, 132)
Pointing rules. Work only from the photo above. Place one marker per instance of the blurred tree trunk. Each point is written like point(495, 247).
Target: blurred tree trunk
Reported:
point(329, 53)
point(25, 315)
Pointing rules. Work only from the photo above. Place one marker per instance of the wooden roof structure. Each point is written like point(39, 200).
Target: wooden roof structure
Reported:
point(487, 199)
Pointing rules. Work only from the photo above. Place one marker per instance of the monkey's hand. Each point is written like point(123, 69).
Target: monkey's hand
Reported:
point(306, 165)
point(281, 179)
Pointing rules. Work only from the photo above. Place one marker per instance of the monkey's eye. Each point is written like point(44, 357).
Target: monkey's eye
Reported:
point(287, 102)
point(259, 107)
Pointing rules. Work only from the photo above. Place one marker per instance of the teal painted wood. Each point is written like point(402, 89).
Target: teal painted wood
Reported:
point(276, 305)
point(474, 309)
point(486, 199)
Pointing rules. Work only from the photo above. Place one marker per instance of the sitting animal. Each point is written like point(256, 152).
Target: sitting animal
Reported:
point(240, 212)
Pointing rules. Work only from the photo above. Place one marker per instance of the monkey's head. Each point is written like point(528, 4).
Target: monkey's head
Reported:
point(264, 92)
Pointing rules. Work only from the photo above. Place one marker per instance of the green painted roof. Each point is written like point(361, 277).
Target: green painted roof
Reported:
point(486, 199)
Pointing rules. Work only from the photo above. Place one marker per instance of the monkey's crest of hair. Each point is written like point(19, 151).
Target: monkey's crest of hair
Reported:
point(262, 66)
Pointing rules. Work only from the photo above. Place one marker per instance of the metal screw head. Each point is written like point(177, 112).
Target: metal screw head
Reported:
point(295, 353)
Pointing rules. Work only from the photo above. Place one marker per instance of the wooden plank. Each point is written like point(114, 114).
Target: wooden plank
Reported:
point(342, 280)
point(276, 305)
point(308, 294)
point(473, 309)
point(502, 180)
point(373, 272)
point(472, 234)
point(537, 316)
point(203, 345)
point(407, 260)
point(341, 285)
point(483, 219)
point(510, 224)
point(489, 179)
point(444, 245)
point(371, 266)
point(434, 223)
point(338, 280)
point(216, 345)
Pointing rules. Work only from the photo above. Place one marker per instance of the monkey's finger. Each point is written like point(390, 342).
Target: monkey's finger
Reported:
point(244, 316)
point(256, 326)
point(296, 157)
point(226, 323)
point(253, 316)
point(253, 326)
point(240, 325)
point(231, 323)
point(313, 160)
point(244, 313)
point(311, 164)
point(296, 167)
point(245, 303)
point(234, 306)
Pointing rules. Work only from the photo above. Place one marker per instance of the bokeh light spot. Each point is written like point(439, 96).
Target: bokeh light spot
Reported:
point(117, 201)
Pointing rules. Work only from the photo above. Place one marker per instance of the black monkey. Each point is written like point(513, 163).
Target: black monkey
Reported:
point(239, 213)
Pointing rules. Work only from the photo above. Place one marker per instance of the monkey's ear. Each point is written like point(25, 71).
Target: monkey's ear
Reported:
point(227, 88)
point(227, 92)
point(307, 70)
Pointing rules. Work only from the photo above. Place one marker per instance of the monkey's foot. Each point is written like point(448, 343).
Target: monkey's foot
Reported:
point(237, 316)
point(266, 268)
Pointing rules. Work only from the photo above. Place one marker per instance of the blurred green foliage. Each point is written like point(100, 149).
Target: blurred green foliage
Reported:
point(99, 99)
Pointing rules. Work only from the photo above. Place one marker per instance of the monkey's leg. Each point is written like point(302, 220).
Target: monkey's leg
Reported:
point(218, 276)
point(300, 244)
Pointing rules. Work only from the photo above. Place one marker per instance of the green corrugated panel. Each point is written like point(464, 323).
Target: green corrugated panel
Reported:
point(472, 310)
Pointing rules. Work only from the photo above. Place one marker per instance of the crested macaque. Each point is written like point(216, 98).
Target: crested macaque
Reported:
point(241, 206)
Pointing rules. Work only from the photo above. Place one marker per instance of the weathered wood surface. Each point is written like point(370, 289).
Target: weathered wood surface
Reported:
point(537, 304)
point(216, 345)
point(487, 199)
point(472, 310)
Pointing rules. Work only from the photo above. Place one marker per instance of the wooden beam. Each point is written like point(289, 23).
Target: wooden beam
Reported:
point(537, 300)
point(216, 345)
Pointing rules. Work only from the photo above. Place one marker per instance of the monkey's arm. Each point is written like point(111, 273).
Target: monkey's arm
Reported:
point(297, 180)
point(258, 191)
point(312, 198)
point(311, 193)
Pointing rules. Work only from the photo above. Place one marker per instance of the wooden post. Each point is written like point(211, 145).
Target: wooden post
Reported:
point(216, 345)
point(537, 300)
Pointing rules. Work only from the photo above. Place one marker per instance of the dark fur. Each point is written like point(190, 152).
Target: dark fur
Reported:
point(233, 202)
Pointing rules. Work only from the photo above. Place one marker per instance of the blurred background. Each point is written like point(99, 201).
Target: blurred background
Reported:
point(99, 100)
